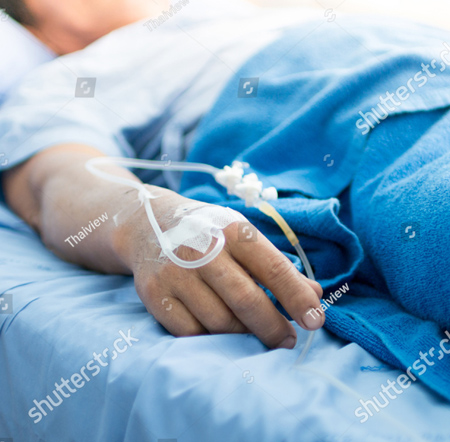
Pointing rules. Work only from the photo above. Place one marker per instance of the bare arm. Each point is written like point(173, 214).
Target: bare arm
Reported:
point(56, 195)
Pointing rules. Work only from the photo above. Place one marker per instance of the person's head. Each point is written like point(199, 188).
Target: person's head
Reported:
point(69, 25)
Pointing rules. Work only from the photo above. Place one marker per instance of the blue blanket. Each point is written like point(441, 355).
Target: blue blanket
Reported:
point(352, 127)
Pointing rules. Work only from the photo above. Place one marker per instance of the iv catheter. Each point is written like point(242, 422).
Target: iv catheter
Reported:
point(246, 187)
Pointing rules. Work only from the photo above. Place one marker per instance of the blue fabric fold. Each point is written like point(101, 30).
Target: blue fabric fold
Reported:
point(369, 206)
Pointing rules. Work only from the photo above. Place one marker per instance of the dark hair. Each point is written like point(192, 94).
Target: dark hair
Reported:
point(18, 10)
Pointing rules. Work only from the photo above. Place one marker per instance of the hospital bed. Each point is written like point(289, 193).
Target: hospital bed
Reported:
point(82, 360)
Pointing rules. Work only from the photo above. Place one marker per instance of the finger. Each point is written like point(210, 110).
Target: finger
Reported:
point(204, 304)
point(298, 294)
point(248, 302)
point(170, 312)
point(177, 319)
point(314, 285)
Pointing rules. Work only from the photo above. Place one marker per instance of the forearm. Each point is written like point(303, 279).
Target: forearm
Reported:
point(58, 197)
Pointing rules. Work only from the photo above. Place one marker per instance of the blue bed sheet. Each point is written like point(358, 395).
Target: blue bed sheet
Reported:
point(156, 387)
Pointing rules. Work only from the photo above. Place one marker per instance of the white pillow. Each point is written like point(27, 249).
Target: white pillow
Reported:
point(20, 52)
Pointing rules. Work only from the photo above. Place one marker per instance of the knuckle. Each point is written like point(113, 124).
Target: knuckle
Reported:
point(248, 299)
point(232, 229)
point(318, 289)
point(217, 269)
point(276, 333)
point(225, 323)
point(279, 268)
point(231, 233)
point(161, 307)
point(221, 273)
point(172, 276)
point(191, 330)
point(188, 253)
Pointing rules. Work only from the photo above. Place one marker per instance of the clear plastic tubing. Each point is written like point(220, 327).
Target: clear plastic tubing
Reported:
point(158, 165)
point(269, 210)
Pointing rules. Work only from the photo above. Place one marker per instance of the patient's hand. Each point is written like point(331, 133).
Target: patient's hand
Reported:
point(56, 195)
point(222, 296)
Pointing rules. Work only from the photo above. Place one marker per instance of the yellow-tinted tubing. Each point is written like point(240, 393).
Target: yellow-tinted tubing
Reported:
point(269, 210)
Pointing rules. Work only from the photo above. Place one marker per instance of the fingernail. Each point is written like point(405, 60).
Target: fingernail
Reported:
point(313, 319)
point(288, 343)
